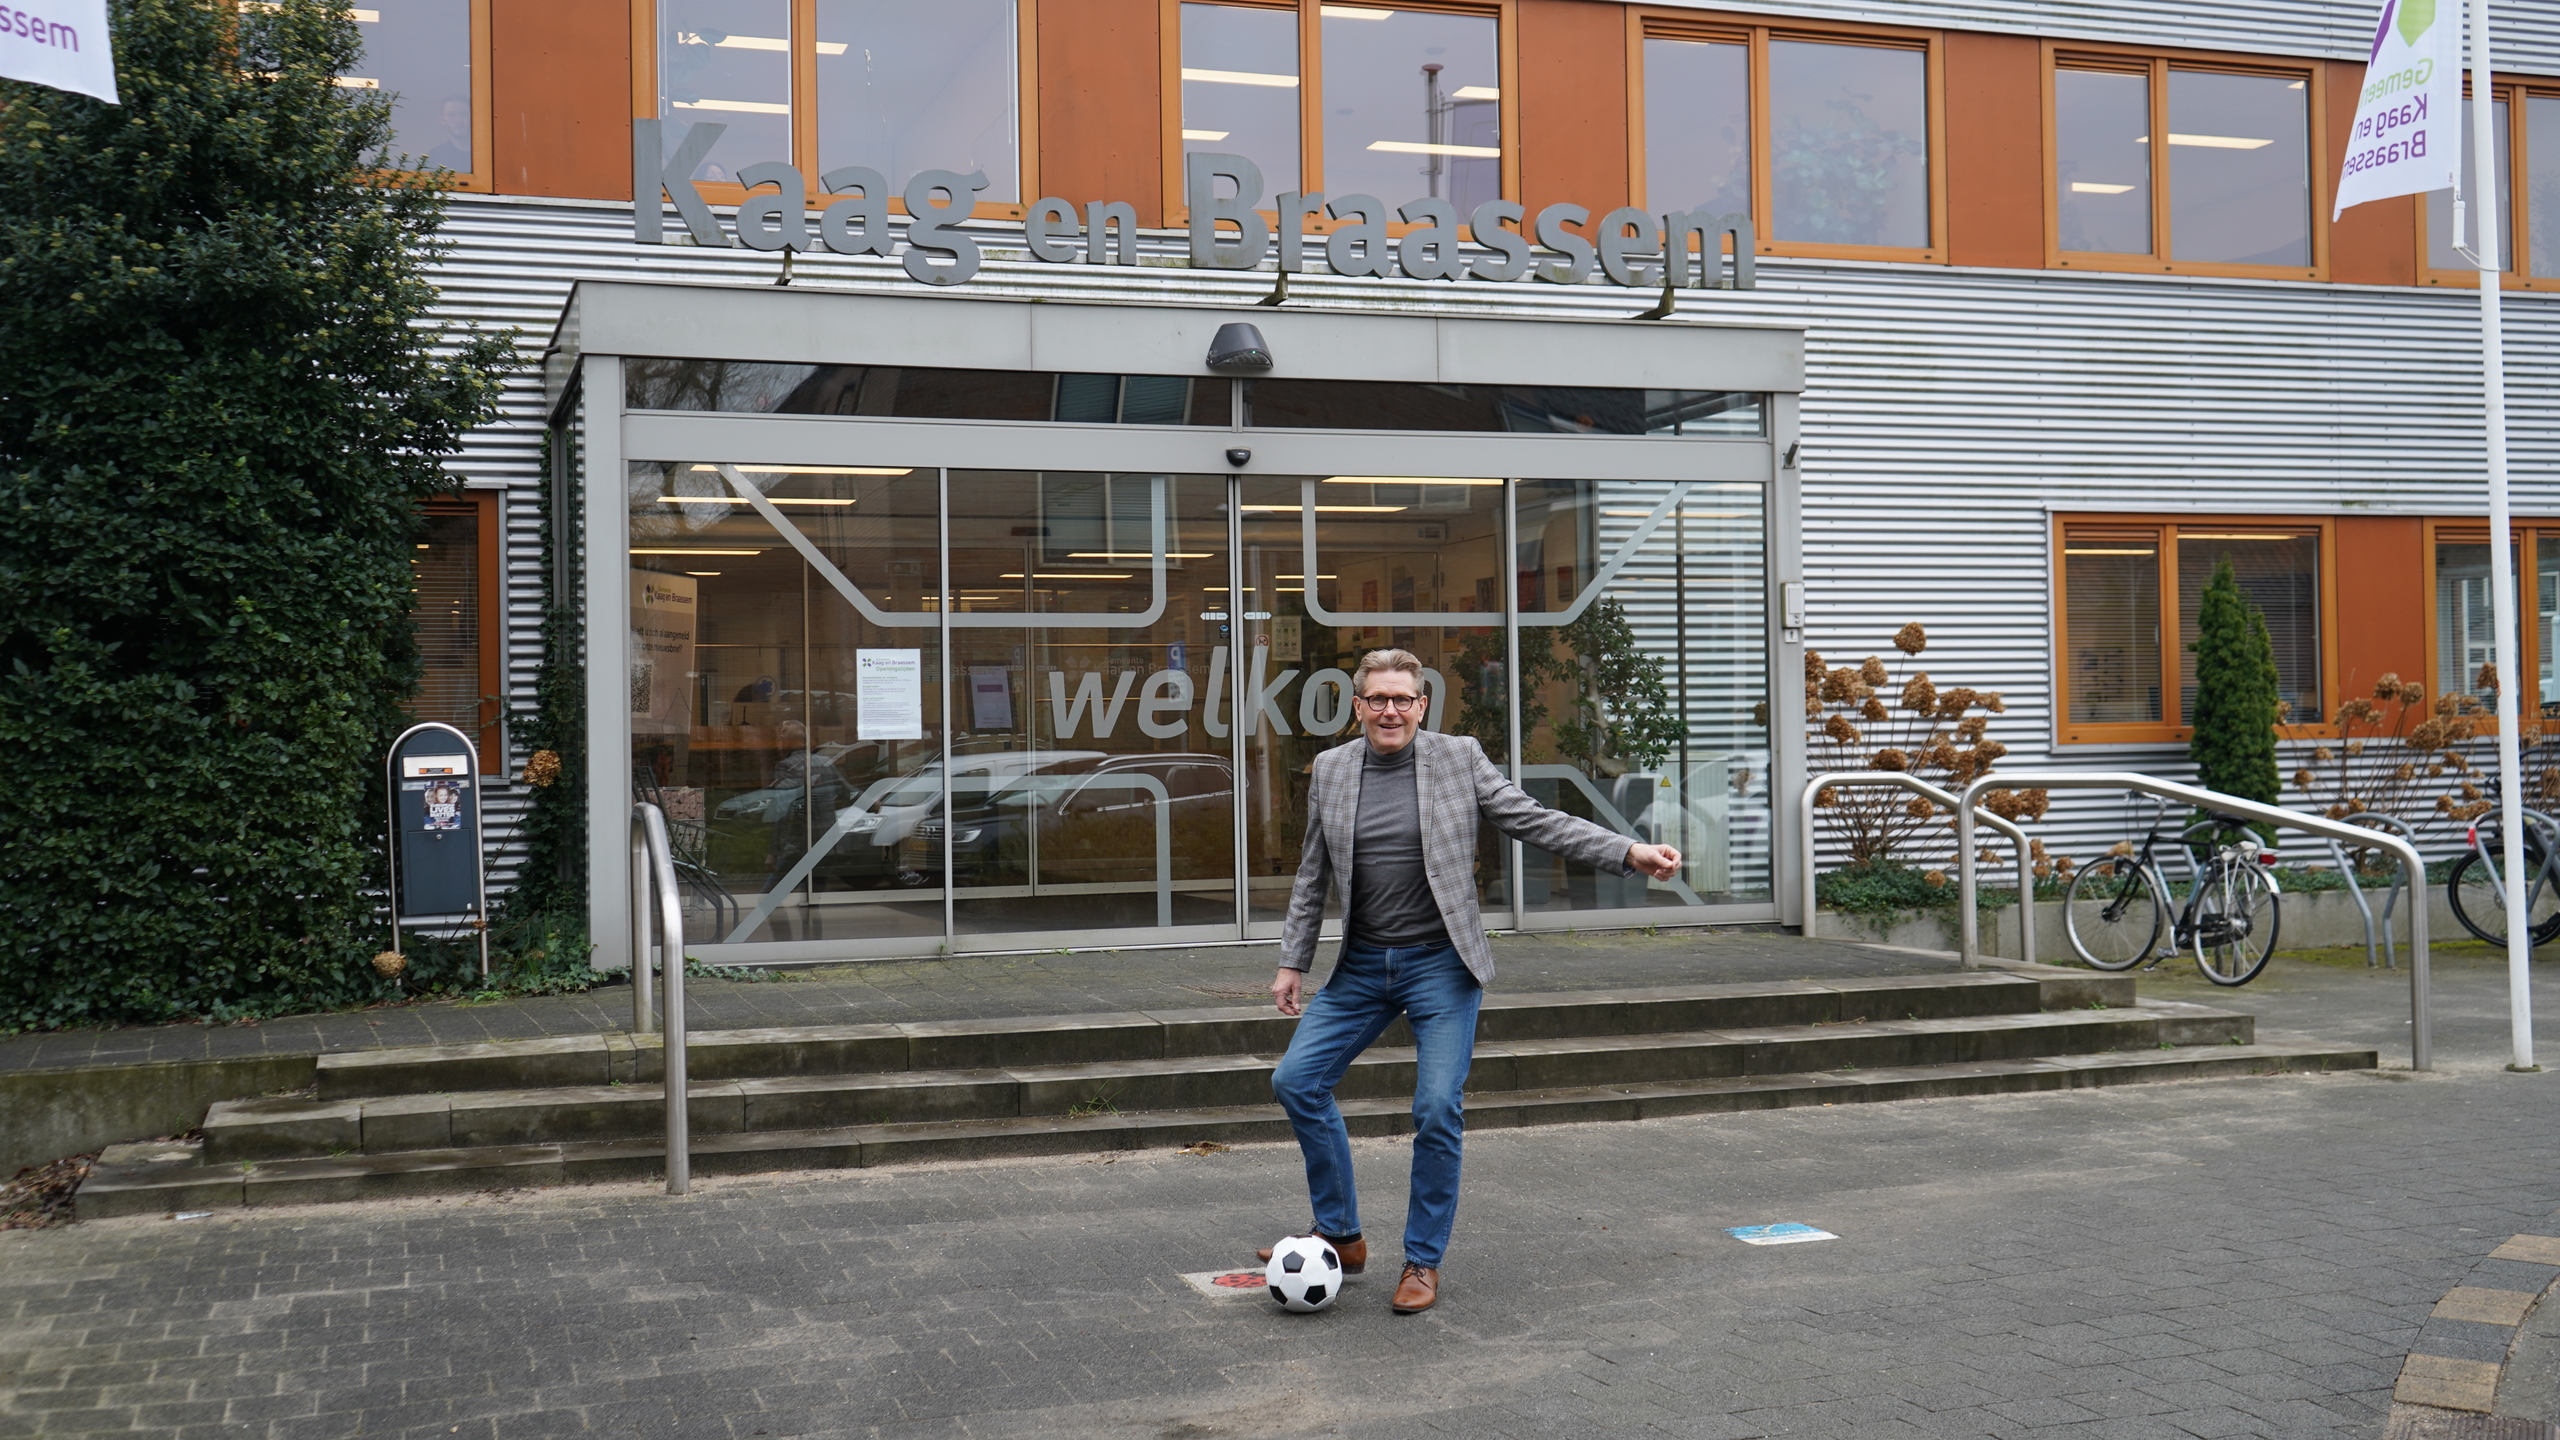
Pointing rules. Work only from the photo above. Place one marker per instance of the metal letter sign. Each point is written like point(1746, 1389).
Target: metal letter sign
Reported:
point(433, 777)
point(939, 252)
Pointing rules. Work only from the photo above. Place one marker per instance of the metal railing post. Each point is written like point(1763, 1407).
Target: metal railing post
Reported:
point(1905, 781)
point(2421, 1006)
point(655, 869)
point(644, 984)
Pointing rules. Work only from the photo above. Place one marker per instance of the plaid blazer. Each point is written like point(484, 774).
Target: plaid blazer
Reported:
point(1457, 787)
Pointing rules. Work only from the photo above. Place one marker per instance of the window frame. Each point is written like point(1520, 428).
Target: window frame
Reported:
point(647, 90)
point(2525, 533)
point(2124, 59)
point(1310, 178)
point(2517, 92)
point(1755, 32)
point(488, 508)
point(2167, 730)
point(483, 176)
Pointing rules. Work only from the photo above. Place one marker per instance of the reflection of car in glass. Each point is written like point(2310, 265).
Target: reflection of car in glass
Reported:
point(1097, 820)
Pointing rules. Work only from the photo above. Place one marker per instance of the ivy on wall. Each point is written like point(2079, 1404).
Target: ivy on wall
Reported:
point(227, 399)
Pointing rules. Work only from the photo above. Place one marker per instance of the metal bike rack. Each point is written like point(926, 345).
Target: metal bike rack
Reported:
point(2388, 954)
point(1913, 783)
point(2421, 1014)
point(653, 872)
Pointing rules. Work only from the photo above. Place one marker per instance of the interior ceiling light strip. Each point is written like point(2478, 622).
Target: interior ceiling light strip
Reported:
point(1325, 509)
point(1403, 480)
point(812, 469)
point(637, 551)
point(725, 500)
point(1243, 77)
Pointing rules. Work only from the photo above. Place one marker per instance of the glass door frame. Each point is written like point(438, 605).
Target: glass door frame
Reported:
point(943, 446)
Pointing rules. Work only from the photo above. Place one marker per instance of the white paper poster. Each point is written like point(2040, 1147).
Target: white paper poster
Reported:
point(2408, 133)
point(1287, 646)
point(65, 46)
point(663, 615)
point(888, 694)
point(990, 698)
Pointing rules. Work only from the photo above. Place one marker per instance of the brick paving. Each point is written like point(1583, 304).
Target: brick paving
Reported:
point(2226, 1259)
point(967, 987)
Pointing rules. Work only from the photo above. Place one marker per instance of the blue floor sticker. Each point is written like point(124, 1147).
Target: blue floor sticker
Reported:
point(1786, 1234)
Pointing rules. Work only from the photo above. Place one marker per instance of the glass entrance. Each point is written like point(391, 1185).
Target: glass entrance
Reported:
point(900, 709)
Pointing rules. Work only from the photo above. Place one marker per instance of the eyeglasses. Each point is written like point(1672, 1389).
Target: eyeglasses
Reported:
point(1401, 704)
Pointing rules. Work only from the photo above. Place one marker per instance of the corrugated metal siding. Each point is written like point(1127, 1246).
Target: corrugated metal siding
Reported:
point(1947, 413)
point(2524, 34)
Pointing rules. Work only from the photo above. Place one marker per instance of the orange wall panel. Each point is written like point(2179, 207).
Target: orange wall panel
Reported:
point(1573, 104)
point(2370, 244)
point(1101, 103)
point(1995, 150)
point(560, 97)
point(2382, 601)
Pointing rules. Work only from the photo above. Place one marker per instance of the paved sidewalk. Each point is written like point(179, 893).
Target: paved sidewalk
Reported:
point(970, 987)
point(2224, 1259)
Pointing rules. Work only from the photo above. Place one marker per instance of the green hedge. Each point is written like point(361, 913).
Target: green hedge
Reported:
point(227, 400)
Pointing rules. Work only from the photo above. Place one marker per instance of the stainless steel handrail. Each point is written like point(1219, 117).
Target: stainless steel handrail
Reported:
point(653, 868)
point(1902, 780)
point(2421, 1015)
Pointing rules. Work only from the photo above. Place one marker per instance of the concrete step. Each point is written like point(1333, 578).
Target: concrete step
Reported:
point(1181, 1034)
point(157, 1183)
point(289, 1128)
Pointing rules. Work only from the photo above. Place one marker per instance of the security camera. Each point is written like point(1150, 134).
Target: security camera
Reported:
point(1239, 457)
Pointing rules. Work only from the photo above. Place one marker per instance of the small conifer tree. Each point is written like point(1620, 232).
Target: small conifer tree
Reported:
point(2233, 743)
point(227, 399)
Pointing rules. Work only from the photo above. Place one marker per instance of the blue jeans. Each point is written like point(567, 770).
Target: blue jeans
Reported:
point(1431, 987)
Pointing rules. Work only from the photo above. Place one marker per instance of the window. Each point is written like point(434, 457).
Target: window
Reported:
point(1827, 141)
point(822, 84)
point(2528, 139)
point(1412, 105)
point(2462, 637)
point(459, 616)
point(2223, 186)
point(424, 55)
point(1239, 86)
point(1393, 102)
point(2130, 590)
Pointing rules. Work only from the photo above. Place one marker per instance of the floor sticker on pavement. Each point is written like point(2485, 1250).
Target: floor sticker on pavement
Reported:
point(1786, 1234)
point(1226, 1284)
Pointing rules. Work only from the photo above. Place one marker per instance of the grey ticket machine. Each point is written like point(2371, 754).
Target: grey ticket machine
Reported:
point(434, 783)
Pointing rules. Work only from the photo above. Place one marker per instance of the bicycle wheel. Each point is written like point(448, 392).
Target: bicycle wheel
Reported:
point(2112, 913)
point(2474, 893)
point(2236, 916)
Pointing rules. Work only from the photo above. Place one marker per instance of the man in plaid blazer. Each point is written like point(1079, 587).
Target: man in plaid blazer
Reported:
point(1394, 821)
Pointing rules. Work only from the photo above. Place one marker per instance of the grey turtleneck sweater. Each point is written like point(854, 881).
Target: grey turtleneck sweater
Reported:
point(1390, 903)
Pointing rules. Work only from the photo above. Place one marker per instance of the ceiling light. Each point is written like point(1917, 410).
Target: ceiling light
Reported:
point(423, 546)
point(726, 500)
point(1140, 555)
point(1357, 12)
point(1417, 147)
point(1078, 575)
point(808, 470)
point(1687, 514)
point(1243, 77)
point(1402, 480)
point(706, 574)
point(2210, 142)
point(2086, 187)
point(1326, 509)
point(2202, 535)
point(733, 107)
point(1301, 577)
point(1476, 92)
point(2070, 551)
point(1204, 134)
point(637, 551)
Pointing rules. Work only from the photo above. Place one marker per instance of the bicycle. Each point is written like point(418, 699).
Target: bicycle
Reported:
point(2477, 883)
point(2114, 908)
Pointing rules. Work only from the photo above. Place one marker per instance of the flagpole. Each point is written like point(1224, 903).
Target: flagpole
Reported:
point(2502, 580)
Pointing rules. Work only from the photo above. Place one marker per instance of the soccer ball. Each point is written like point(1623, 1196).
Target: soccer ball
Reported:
point(1305, 1273)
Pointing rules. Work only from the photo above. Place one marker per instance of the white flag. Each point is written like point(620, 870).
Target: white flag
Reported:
point(65, 46)
point(2408, 135)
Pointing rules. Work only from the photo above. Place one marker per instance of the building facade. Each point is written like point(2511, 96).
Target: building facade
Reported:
point(2070, 319)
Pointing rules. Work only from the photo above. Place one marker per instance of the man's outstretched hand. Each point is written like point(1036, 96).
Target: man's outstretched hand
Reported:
point(1284, 990)
point(1659, 861)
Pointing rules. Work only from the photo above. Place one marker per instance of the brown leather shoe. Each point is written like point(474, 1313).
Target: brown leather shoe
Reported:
point(1354, 1253)
point(1419, 1290)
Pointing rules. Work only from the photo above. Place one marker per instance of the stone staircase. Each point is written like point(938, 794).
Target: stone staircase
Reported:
point(381, 1123)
